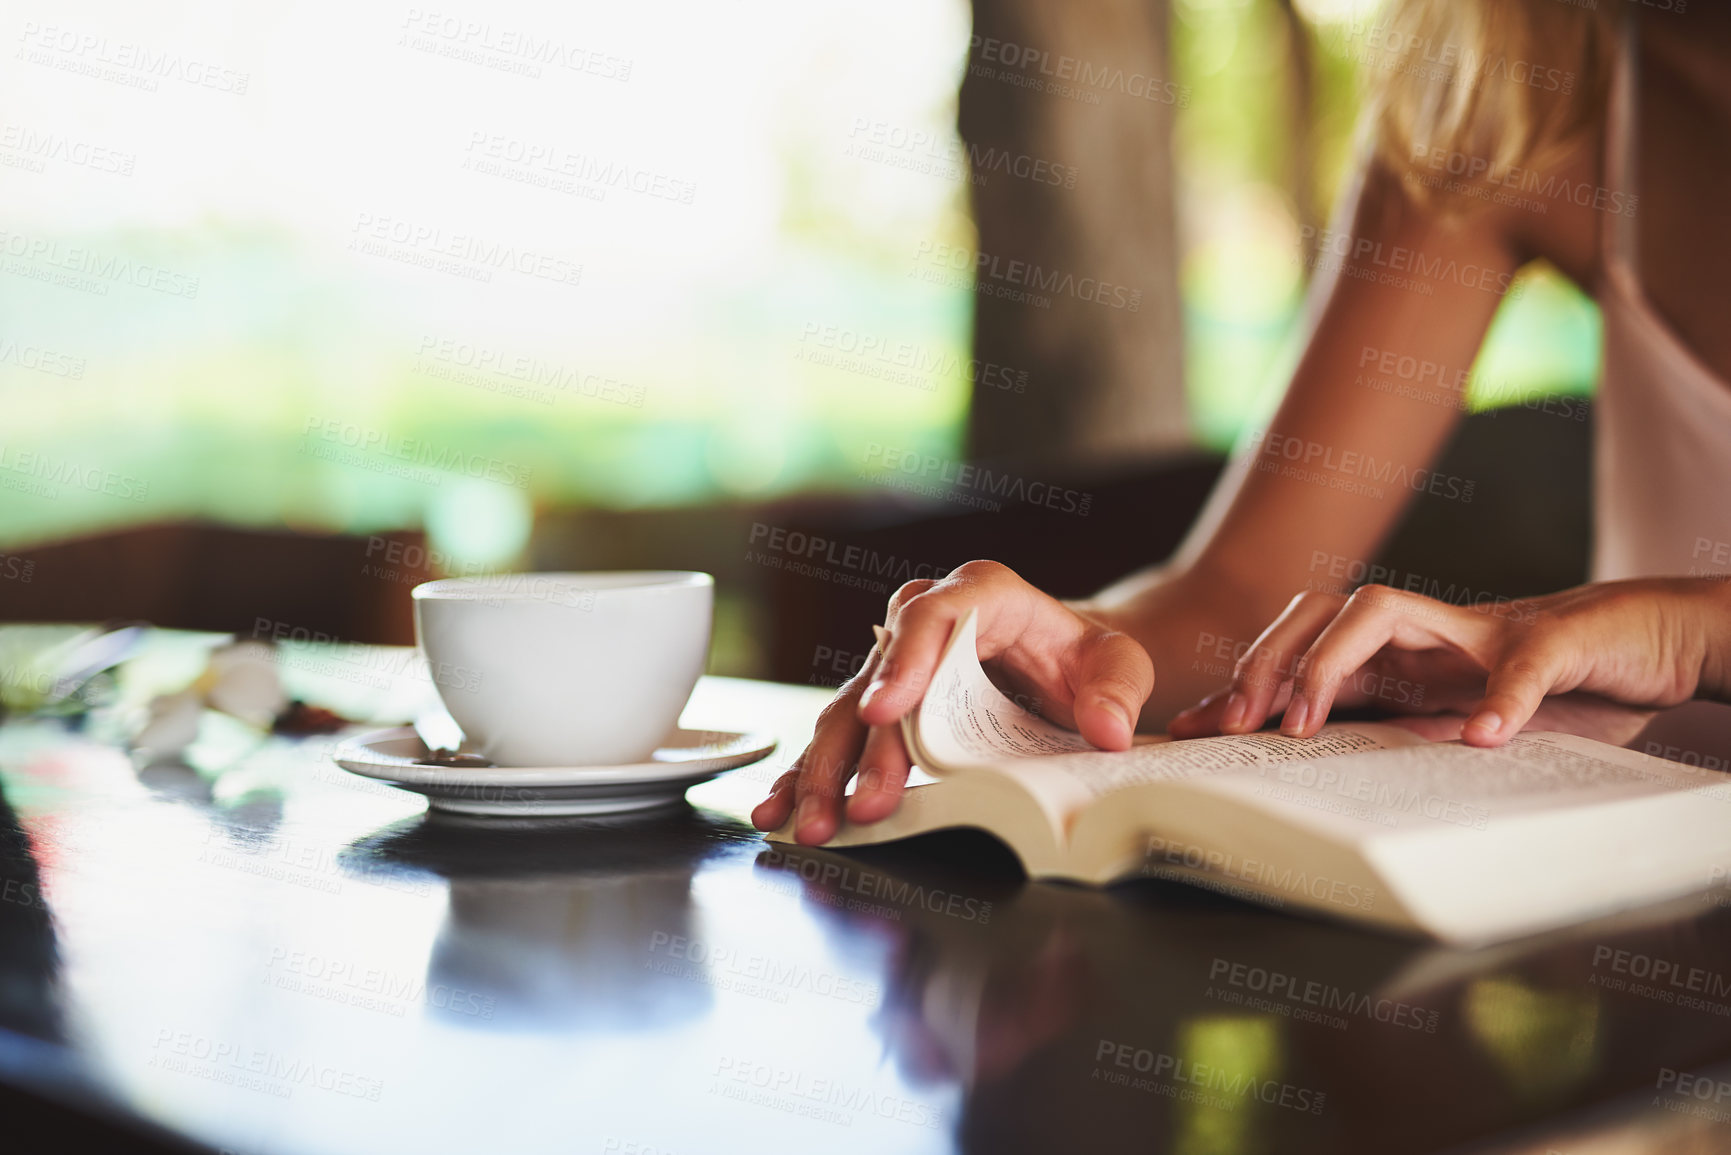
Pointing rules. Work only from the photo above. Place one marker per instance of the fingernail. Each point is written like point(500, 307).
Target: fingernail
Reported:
point(883, 637)
point(810, 807)
point(1490, 722)
point(1117, 710)
point(882, 690)
point(1236, 705)
point(869, 780)
point(1297, 717)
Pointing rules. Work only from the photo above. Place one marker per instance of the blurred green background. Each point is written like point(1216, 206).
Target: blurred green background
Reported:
point(674, 339)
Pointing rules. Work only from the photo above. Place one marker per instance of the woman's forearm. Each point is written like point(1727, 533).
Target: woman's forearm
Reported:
point(1308, 500)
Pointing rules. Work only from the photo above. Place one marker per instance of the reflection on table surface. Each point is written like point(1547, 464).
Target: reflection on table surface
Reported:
point(266, 954)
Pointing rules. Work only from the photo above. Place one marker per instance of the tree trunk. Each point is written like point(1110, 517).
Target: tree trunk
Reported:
point(1067, 113)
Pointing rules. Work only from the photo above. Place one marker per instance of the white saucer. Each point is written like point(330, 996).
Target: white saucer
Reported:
point(686, 758)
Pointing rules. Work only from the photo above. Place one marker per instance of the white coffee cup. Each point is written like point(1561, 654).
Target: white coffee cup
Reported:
point(566, 669)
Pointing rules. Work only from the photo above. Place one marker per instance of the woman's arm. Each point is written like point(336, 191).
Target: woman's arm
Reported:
point(1403, 299)
point(1397, 324)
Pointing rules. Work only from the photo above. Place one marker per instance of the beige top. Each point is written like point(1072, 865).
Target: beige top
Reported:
point(1662, 446)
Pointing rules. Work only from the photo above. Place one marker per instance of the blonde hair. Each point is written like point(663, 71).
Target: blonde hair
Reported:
point(1486, 86)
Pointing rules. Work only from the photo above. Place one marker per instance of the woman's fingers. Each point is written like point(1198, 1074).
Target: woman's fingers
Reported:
point(883, 773)
point(921, 618)
point(775, 809)
point(1113, 678)
point(1304, 661)
point(1101, 677)
point(1635, 643)
point(1268, 664)
point(859, 728)
point(822, 769)
point(1201, 720)
point(1261, 679)
point(1517, 685)
point(907, 660)
point(1374, 617)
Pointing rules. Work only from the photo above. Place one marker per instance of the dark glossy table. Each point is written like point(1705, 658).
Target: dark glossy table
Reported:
point(257, 952)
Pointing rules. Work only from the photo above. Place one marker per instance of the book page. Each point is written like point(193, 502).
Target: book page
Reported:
point(1067, 783)
point(966, 722)
point(1101, 772)
point(1448, 784)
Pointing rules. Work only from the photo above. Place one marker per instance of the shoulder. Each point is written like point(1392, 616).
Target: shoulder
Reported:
point(1552, 209)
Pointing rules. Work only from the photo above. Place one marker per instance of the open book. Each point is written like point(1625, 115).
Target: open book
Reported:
point(1367, 822)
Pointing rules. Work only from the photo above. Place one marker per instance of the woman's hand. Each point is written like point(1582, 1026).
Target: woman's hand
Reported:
point(1651, 642)
point(1083, 674)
